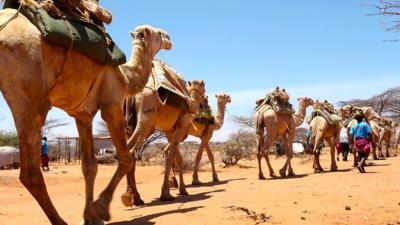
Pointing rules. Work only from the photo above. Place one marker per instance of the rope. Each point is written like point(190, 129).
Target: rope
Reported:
point(11, 18)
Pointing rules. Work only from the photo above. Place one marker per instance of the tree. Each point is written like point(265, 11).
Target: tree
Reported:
point(50, 124)
point(245, 122)
point(8, 139)
point(387, 103)
point(157, 136)
point(389, 8)
point(239, 146)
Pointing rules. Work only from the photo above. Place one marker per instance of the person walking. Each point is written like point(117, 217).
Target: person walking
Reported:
point(343, 145)
point(45, 155)
point(360, 139)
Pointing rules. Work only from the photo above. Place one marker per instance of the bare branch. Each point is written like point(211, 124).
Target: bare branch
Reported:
point(244, 121)
point(51, 124)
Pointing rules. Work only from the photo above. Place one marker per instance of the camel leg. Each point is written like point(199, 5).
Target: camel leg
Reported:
point(29, 106)
point(387, 147)
point(270, 140)
point(317, 152)
point(211, 158)
point(260, 153)
point(289, 155)
point(374, 147)
point(89, 166)
point(28, 125)
point(114, 117)
point(175, 137)
point(179, 163)
point(195, 176)
point(131, 196)
point(331, 144)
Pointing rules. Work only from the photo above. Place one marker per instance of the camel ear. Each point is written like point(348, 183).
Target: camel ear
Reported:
point(132, 34)
point(190, 83)
point(216, 95)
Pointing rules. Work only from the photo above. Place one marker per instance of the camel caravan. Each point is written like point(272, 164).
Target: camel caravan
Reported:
point(58, 53)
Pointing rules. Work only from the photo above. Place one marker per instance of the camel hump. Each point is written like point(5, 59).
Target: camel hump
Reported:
point(76, 33)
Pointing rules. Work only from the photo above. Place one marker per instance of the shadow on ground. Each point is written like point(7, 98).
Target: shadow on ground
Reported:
point(215, 183)
point(146, 220)
point(179, 199)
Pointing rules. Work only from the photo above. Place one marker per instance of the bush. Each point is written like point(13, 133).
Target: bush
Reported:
point(239, 146)
point(8, 139)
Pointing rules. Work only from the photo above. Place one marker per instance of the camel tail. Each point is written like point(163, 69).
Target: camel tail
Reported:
point(130, 113)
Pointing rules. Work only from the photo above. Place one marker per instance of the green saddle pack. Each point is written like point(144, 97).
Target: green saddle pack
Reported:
point(83, 37)
point(204, 115)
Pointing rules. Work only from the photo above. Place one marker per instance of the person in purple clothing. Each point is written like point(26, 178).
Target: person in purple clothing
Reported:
point(361, 138)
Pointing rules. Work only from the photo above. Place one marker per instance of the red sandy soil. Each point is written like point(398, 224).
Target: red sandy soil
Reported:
point(240, 198)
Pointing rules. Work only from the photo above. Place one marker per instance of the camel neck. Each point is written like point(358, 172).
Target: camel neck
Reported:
point(138, 69)
point(300, 115)
point(220, 116)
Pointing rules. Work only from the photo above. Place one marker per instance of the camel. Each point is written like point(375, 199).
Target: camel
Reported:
point(321, 130)
point(205, 132)
point(278, 125)
point(36, 75)
point(151, 113)
point(397, 137)
point(370, 116)
point(385, 136)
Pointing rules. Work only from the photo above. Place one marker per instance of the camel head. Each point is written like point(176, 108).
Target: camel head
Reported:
point(305, 101)
point(223, 99)
point(151, 38)
point(345, 111)
point(198, 86)
point(369, 113)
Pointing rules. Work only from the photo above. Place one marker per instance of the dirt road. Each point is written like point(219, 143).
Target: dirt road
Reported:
point(343, 197)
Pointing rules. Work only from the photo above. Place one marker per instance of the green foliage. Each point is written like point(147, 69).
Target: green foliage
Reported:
point(8, 139)
point(239, 146)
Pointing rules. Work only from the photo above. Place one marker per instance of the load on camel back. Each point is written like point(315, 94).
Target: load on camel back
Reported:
point(327, 111)
point(277, 100)
point(171, 87)
point(77, 25)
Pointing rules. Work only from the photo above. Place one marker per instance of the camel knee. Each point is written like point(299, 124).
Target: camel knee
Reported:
point(125, 163)
point(31, 178)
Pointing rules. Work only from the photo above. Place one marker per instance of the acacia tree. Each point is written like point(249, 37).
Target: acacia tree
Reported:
point(389, 8)
point(50, 125)
point(387, 103)
point(239, 146)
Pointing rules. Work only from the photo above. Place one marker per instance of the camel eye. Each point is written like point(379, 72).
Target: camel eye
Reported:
point(139, 35)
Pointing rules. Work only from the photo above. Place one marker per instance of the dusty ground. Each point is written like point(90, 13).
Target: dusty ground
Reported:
point(240, 198)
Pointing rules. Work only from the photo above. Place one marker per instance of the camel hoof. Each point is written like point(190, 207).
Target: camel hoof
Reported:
point(183, 192)
point(261, 177)
point(196, 182)
point(138, 202)
point(387, 155)
point(334, 169)
point(291, 174)
point(100, 210)
point(273, 175)
point(92, 222)
point(167, 197)
point(282, 173)
point(126, 199)
point(318, 170)
point(215, 179)
point(374, 157)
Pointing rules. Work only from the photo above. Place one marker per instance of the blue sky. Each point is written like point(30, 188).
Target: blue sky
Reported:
point(323, 49)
